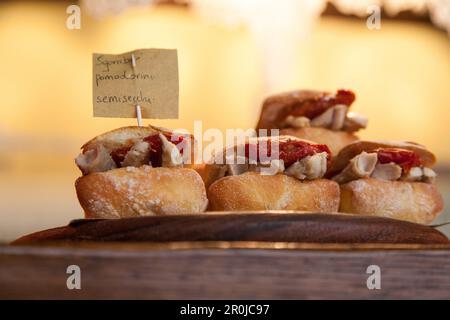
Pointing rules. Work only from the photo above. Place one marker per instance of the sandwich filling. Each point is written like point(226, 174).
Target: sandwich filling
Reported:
point(329, 112)
point(387, 164)
point(296, 158)
point(156, 150)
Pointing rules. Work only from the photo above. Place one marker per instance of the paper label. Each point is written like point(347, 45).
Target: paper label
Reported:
point(152, 83)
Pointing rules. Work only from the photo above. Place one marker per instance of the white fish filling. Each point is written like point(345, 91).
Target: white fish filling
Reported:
point(335, 118)
point(171, 156)
point(310, 167)
point(366, 165)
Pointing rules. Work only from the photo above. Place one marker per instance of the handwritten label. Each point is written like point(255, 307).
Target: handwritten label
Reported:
point(152, 83)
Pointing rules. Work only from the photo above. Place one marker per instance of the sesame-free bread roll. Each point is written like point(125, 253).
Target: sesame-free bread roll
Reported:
point(120, 137)
point(253, 191)
point(138, 171)
point(390, 179)
point(411, 201)
point(276, 107)
point(130, 191)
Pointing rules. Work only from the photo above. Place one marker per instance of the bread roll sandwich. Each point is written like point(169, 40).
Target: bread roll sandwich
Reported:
point(389, 179)
point(317, 116)
point(291, 181)
point(138, 171)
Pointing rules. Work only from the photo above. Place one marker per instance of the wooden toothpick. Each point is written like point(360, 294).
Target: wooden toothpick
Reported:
point(139, 115)
point(138, 107)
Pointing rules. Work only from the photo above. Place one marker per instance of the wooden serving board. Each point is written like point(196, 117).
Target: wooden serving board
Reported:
point(244, 226)
point(225, 270)
point(224, 256)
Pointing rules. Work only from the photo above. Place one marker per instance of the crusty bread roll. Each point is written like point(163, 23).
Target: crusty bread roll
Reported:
point(411, 201)
point(253, 191)
point(136, 171)
point(275, 108)
point(128, 192)
point(335, 140)
point(127, 136)
point(209, 173)
point(120, 137)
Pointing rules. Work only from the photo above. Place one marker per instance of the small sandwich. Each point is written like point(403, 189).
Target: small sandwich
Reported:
point(251, 176)
point(138, 171)
point(317, 116)
point(389, 179)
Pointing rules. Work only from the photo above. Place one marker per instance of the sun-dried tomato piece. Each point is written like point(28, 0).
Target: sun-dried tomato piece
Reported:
point(290, 151)
point(404, 158)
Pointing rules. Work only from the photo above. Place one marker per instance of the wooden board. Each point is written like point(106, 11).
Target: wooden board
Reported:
point(250, 226)
point(225, 270)
point(269, 255)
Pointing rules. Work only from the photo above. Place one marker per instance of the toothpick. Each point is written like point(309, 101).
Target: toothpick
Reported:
point(138, 107)
point(133, 60)
point(139, 115)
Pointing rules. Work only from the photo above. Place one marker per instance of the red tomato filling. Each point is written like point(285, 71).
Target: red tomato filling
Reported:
point(155, 146)
point(404, 158)
point(314, 107)
point(290, 151)
point(119, 154)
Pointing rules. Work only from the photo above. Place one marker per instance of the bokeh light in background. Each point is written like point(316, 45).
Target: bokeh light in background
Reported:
point(401, 75)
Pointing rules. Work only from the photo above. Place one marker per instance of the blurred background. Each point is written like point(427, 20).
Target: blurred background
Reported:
point(231, 55)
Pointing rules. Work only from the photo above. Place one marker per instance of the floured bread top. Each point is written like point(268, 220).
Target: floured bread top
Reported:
point(133, 147)
point(308, 108)
point(387, 160)
point(288, 155)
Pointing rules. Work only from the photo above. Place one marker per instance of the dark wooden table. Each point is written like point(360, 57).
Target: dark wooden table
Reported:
point(225, 270)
